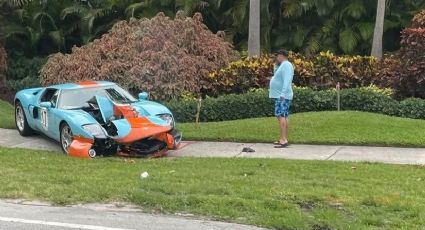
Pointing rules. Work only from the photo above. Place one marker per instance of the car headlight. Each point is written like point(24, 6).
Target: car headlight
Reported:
point(95, 130)
point(167, 118)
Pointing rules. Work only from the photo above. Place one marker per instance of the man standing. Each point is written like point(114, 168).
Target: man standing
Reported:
point(281, 92)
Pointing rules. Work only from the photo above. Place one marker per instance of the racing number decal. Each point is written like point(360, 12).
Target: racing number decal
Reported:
point(44, 120)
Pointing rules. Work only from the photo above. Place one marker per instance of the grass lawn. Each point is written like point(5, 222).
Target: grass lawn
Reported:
point(348, 127)
point(279, 194)
point(7, 119)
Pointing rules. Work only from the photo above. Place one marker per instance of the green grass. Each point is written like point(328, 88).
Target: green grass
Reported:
point(348, 128)
point(279, 194)
point(7, 120)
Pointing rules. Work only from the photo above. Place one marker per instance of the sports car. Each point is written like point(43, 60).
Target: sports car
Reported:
point(96, 118)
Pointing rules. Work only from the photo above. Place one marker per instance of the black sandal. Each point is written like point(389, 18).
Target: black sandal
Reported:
point(281, 146)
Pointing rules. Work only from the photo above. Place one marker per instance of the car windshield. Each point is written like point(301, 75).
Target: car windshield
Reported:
point(77, 98)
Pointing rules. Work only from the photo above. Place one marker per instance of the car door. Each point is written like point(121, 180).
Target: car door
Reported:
point(46, 121)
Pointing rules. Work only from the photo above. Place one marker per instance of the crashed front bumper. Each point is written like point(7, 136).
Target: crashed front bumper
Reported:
point(89, 148)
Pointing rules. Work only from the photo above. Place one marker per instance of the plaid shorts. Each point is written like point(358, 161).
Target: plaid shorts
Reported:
point(281, 108)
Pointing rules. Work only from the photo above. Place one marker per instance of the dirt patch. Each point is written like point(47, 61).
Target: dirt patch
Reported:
point(306, 205)
point(320, 227)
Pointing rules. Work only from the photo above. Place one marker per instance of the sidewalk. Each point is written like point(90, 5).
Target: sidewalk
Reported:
point(390, 155)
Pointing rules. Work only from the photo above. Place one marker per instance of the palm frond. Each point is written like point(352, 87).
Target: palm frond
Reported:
point(20, 3)
point(22, 14)
point(355, 9)
point(293, 8)
point(300, 35)
point(313, 45)
point(15, 30)
point(366, 30)
point(239, 12)
point(77, 9)
point(348, 40)
point(58, 38)
point(92, 15)
point(39, 18)
point(132, 9)
point(324, 7)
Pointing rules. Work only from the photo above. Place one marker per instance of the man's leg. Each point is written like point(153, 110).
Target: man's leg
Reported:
point(280, 130)
point(286, 129)
point(283, 123)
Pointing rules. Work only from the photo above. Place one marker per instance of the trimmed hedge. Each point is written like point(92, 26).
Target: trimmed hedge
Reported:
point(257, 104)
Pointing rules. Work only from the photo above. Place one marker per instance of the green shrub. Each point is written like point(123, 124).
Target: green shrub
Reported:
point(412, 108)
point(23, 72)
point(322, 71)
point(369, 99)
point(257, 104)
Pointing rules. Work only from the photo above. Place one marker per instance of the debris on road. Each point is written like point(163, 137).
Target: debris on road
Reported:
point(248, 150)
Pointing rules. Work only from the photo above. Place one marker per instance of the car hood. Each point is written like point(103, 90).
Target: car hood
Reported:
point(133, 126)
point(150, 108)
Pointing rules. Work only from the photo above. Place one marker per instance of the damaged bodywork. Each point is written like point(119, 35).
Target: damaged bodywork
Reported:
point(97, 118)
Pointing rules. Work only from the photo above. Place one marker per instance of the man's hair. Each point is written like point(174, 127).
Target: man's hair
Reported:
point(283, 52)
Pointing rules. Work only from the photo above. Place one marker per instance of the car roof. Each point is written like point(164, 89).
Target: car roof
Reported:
point(82, 84)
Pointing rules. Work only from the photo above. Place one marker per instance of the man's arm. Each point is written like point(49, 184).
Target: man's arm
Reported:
point(286, 75)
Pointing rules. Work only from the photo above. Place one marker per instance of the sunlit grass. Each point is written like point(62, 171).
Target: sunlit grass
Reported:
point(349, 128)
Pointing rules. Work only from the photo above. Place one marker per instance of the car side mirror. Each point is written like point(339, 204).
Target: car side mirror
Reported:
point(143, 96)
point(46, 104)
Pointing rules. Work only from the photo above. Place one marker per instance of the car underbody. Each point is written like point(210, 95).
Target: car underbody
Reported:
point(148, 147)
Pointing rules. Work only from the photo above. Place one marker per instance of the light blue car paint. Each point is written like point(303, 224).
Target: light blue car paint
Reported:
point(123, 128)
point(106, 107)
point(30, 100)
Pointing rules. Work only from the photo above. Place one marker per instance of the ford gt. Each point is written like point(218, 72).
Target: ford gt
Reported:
point(96, 118)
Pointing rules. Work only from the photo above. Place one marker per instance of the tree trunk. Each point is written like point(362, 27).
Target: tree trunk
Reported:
point(254, 46)
point(379, 30)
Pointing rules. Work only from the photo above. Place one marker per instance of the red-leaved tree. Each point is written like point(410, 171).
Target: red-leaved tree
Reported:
point(405, 70)
point(163, 56)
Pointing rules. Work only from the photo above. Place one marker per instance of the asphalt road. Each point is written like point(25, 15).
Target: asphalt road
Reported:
point(21, 215)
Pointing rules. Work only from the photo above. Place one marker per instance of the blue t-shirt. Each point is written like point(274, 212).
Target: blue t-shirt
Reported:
point(281, 83)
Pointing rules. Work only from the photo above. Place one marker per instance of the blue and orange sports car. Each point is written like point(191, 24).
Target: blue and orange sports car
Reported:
point(96, 118)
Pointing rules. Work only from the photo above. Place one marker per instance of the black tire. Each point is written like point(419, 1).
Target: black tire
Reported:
point(23, 128)
point(63, 127)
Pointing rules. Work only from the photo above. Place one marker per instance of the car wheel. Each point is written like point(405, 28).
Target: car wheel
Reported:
point(21, 120)
point(65, 137)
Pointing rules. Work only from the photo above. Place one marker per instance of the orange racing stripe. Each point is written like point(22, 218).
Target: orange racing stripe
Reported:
point(87, 83)
point(142, 128)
